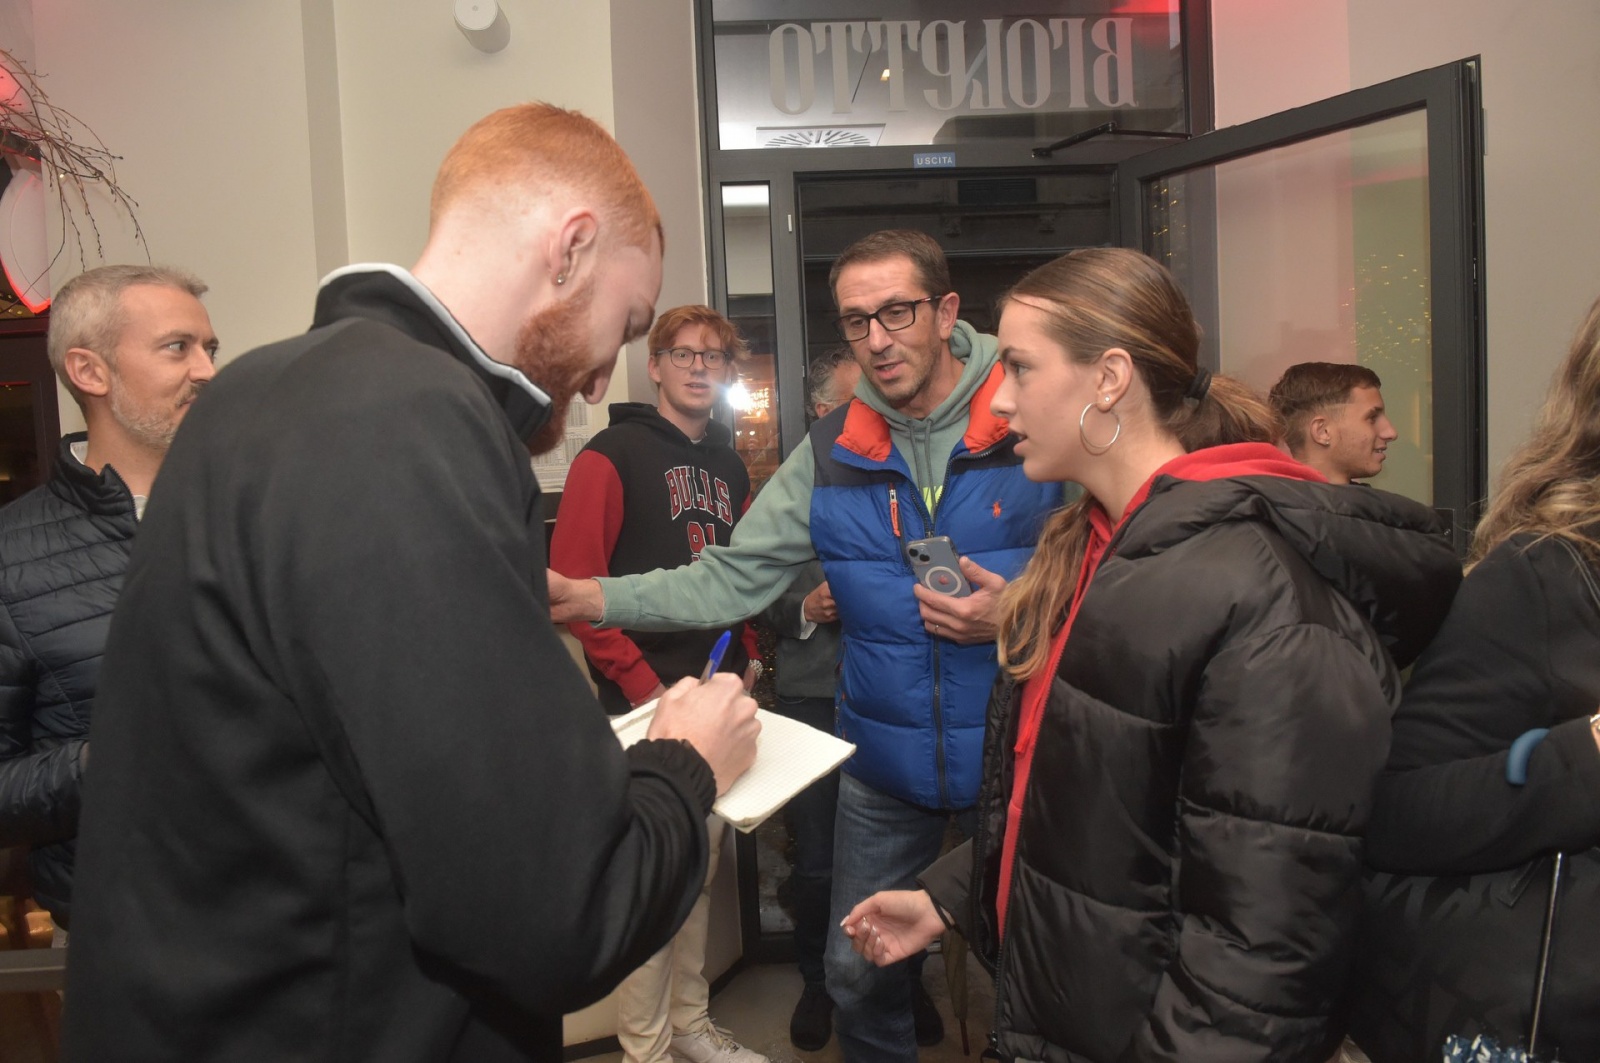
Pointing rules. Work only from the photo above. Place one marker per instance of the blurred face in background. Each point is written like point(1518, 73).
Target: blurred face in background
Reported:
point(841, 386)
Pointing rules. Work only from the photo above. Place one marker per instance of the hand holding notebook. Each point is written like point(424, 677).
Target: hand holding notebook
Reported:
point(789, 757)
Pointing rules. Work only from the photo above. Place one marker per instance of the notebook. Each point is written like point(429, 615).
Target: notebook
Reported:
point(790, 756)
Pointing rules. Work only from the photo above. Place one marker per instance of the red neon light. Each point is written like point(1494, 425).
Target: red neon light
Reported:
point(1144, 7)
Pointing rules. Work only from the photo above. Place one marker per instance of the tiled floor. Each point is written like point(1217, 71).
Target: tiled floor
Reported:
point(755, 1007)
point(21, 1037)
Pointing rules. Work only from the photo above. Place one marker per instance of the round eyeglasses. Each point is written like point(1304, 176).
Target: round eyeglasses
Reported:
point(683, 357)
point(892, 316)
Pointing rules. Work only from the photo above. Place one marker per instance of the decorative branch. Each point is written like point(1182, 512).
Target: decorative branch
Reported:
point(70, 156)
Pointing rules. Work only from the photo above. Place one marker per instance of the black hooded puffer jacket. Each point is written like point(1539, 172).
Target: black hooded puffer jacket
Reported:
point(64, 547)
point(1188, 872)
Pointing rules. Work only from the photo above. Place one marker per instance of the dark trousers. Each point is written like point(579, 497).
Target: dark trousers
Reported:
point(811, 821)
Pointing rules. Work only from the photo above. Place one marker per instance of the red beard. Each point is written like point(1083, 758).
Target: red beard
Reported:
point(554, 351)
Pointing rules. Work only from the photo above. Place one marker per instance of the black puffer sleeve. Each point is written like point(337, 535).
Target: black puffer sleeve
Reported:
point(39, 791)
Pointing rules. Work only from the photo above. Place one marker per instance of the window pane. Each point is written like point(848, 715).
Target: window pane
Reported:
point(994, 228)
point(1316, 252)
point(747, 236)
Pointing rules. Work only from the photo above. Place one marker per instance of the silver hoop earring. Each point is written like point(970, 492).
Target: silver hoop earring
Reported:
point(1097, 448)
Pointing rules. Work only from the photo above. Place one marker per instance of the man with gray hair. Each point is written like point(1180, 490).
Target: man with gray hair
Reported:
point(134, 346)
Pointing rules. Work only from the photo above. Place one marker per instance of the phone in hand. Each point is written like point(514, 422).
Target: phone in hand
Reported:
point(937, 566)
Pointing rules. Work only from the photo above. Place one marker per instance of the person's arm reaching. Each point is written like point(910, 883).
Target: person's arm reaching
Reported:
point(727, 584)
point(587, 526)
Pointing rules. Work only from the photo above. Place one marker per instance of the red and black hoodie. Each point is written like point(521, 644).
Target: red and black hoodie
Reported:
point(642, 496)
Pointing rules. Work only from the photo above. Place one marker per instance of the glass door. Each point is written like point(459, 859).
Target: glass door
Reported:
point(1349, 230)
point(994, 226)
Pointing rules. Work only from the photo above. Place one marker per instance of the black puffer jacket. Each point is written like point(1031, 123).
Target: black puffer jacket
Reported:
point(64, 547)
point(1187, 874)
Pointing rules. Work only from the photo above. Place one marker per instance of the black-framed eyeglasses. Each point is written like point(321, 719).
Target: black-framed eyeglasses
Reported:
point(683, 357)
point(892, 316)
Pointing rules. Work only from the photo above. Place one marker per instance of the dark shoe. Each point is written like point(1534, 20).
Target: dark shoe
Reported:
point(812, 1023)
point(925, 1013)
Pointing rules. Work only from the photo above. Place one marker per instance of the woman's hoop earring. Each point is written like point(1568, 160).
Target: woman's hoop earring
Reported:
point(1098, 448)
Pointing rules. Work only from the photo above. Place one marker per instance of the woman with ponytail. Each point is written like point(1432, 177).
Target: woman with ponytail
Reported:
point(1199, 666)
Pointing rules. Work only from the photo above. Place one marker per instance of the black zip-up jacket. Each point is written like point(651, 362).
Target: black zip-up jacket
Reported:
point(1187, 876)
point(350, 797)
point(64, 547)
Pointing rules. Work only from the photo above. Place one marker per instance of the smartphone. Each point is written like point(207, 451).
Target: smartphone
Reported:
point(935, 563)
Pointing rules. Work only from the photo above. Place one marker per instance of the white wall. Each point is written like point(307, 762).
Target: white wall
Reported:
point(409, 84)
point(267, 143)
point(206, 104)
point(656, 94)
point(1541, 94)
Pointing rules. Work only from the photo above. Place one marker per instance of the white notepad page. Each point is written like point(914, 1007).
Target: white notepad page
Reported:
point(790, 756)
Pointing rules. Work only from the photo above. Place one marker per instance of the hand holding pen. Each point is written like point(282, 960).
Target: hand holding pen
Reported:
point(715, 716)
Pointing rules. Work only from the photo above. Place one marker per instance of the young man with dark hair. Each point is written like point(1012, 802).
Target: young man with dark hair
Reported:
point(1334, 419)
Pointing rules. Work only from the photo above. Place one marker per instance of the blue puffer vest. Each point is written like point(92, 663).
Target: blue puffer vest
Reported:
point(914, 704)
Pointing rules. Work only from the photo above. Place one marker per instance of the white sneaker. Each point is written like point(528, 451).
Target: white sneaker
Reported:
point(707, 1043)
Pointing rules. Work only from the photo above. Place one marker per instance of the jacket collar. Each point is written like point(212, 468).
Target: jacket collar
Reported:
point(1389, 556)
point(387, 293)
point(866, 431)
point(101, 492)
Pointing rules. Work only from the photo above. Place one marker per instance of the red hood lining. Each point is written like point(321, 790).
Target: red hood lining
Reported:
point(1224, 463)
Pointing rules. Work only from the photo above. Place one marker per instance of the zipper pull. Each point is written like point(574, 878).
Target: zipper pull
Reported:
point(894, 511)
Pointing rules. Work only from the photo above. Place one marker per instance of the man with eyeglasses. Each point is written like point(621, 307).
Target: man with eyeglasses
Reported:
point(653, 490)
point(919, 454)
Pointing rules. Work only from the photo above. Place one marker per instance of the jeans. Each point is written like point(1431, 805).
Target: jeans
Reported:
point(879, 843)
point(811, 820)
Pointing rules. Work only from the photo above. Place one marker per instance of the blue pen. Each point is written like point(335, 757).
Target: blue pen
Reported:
point(716, 655)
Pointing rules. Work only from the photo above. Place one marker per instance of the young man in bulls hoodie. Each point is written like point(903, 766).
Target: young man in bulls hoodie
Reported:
point(653, 490)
